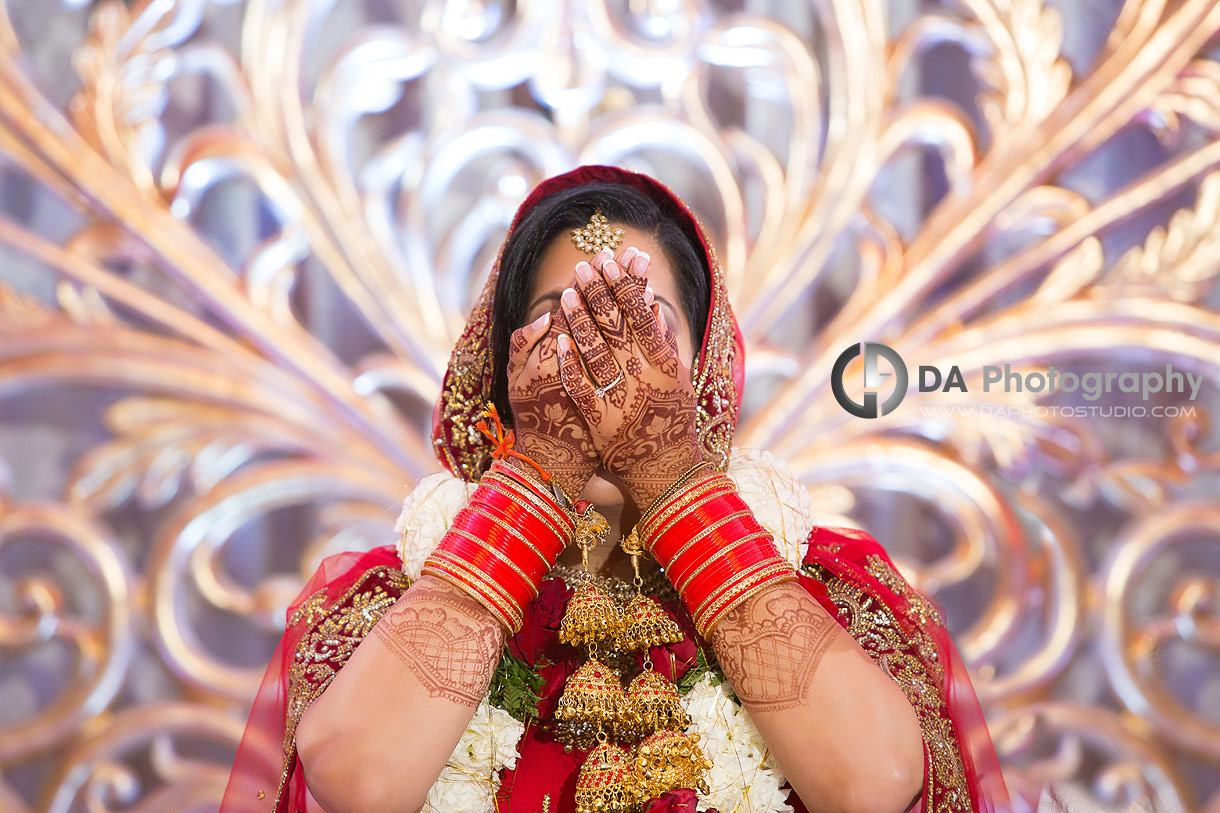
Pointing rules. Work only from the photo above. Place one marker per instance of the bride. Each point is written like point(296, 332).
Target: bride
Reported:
point(601, 605)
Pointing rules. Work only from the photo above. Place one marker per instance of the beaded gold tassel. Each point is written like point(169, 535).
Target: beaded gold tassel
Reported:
point(645, 624)
point(608, 782)
point(591, 703)
point(591, 615)
point(651, 704)
point(669, 760)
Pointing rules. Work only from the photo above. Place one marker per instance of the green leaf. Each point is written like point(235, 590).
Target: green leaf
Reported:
point(515, 687)
point(703, 665)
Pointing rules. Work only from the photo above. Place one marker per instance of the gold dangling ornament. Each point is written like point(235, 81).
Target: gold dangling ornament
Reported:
point(652, 704)
point(591, 702)
point(591, 616)
point(608, 782)
point(669, 760)
point(645, 623)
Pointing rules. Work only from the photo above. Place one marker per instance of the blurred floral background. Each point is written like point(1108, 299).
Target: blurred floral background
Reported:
point(237, 241)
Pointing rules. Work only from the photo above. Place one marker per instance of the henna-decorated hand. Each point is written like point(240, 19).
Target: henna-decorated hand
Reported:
point(643, 426)
point(548, 427)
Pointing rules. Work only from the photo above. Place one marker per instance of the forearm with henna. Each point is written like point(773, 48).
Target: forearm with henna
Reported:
point(449, 641)
point(811, 689)
point(411, 686)
point(770, 646)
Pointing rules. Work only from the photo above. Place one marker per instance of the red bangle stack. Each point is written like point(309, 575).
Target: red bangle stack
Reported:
point(715, 552)
point(503, 543)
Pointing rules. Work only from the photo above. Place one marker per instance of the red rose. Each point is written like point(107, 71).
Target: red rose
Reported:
point(676, 801)
point(555, 675)
point(543, 617)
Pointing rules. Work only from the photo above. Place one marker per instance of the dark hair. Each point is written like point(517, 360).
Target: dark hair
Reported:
point(570, 209)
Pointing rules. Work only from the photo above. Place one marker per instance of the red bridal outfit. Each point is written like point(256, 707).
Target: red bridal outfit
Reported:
point(845, 570)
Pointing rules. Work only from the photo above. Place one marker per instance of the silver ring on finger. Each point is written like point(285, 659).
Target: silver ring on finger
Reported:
point(600, 392)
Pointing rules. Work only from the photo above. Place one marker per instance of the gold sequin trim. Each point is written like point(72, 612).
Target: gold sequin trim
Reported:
point(334, 630)
point(907, 653)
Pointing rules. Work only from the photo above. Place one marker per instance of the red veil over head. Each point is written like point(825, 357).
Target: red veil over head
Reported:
point(846, 569)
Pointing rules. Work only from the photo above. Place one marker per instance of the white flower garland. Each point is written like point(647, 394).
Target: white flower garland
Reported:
point(742, 778)
point(471, 777)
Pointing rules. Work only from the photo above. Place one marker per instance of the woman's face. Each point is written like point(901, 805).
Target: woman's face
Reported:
point(557, 272)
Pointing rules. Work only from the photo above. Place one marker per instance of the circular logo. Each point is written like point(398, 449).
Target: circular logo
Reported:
point(872, 379)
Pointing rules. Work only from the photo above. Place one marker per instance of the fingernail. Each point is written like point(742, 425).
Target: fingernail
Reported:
point(639, 264)
point(564, 342)
point(570, 297)
point(648, 295)
point(541, 321)
point(584, 272)
point(602, 256)
point(628, 255)
point(611, 270)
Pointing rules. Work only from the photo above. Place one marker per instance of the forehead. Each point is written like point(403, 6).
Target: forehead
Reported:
point(561, 256)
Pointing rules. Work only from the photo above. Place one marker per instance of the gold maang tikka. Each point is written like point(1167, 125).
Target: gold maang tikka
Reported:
point(596, 235)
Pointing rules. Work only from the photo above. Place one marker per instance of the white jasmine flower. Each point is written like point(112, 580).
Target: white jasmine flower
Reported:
point(426, 515)
point(455, 790)
point(743, 777)
point(780, 502)
point(470, 779)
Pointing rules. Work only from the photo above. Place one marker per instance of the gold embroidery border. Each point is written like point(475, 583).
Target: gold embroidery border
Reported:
point(922, 679)
point(335, 629)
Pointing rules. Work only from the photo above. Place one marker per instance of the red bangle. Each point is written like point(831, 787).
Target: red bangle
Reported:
point(501, 546)
point(672, 544)
point(713, 549)
point(487, 559)
point(699, 494)
point(694, 550)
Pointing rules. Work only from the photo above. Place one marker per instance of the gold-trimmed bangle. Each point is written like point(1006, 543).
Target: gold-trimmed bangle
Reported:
point(561, 520)
point(531, 503)
point(660, 523)
point(499, 521)
point(469, 583)
point(705, 623)
point(514, 488)
point(694, 540)
point(714, 599)
point(673, 489)
point(441, 560)
point(718, 554)
point(462, 532)
point(696, 498)
point(514, 477)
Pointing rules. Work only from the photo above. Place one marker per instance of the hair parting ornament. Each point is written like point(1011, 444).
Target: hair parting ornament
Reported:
point(596, 235)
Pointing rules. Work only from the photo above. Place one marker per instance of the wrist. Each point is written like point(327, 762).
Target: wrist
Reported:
point(572, 479)
point(650, 492)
